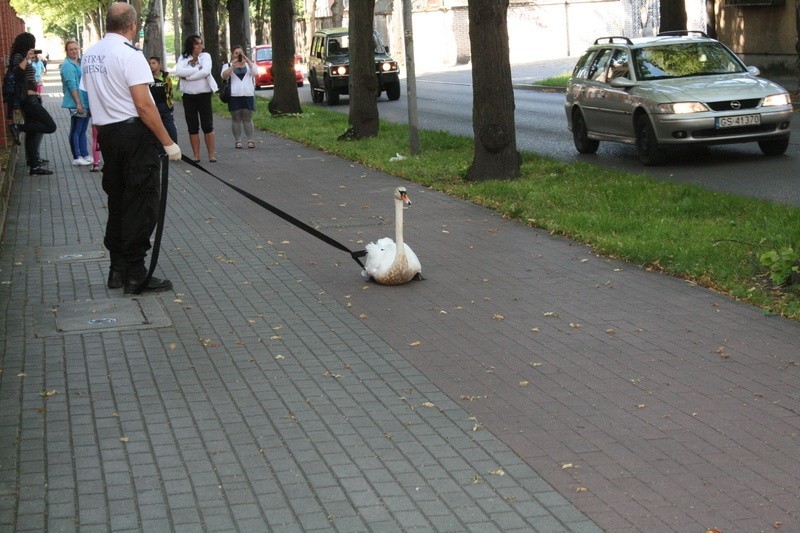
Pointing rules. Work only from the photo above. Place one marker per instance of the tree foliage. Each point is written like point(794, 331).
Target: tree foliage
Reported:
point(61, 17)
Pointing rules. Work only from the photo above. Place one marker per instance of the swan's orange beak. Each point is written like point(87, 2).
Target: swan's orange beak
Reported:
point(404, 197)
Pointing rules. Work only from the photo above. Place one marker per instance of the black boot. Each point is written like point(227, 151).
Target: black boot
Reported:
point(15, 133)
point(154, 285)
point(39, 171)
point(115, 278)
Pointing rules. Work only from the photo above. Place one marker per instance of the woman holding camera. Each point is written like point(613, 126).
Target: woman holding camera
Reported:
point(240, 73)
point(37, 120)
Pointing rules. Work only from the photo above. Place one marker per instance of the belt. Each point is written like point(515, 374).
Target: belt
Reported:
point(132, 120)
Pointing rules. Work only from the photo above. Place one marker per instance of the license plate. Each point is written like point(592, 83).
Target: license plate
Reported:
point(740, 120)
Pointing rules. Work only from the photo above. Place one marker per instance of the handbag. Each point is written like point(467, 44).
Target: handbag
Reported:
point(225, 91)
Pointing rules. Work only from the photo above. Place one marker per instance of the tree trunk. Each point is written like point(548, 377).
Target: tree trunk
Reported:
point(496, 155)
point(259, 21)
point(311, 26)
point(673, 15)
point(153, 44)
point(188, 20)
point(210, 35)
point(285, 99)
point(337, 12)
point(711, 19)
point(236, 19)
point(363, 85)
point(222, 37)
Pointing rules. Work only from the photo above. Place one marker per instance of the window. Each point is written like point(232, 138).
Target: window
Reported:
point(618, 66)
point(581, 70)
point(597, 72)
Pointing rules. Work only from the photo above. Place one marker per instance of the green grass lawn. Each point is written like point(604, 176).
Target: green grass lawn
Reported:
point(711, 238)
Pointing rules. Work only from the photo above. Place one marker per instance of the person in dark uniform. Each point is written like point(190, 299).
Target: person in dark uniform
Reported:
point(161, 89)
point(37, 120)
point(132, 139)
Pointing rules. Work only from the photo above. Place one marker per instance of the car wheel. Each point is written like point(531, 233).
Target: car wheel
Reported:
point(774, 147)
point(580, 135)
point(258, 87)
point(331, 95)
point(646, 143)
point(316, 95)
point(299, 83)
point(393, 91)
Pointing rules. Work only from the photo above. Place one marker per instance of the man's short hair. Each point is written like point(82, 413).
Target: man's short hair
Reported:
point(119, 16)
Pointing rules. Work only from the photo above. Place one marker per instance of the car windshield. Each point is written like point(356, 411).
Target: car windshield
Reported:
point(264, 54)
point(684, 59)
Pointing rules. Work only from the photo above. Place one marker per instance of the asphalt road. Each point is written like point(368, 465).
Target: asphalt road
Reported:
point(445, 103)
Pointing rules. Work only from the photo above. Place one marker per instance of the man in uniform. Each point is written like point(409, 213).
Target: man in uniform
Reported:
point(132, 140)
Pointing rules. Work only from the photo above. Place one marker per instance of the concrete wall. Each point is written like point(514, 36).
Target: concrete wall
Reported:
point(761, 35)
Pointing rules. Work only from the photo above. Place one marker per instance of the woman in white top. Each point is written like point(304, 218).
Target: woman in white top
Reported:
point(197, 85)
point(241, 73)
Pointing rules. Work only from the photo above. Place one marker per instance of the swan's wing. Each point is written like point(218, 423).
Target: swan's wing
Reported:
point(380, 256)
point(413, 262)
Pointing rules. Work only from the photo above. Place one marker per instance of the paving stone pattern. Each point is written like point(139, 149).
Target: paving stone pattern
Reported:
point(263, 405)
point(288, 394)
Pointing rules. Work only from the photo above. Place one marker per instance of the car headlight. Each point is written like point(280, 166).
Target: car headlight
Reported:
point(680, 108)
point(262, 71)
point(776, 99)
point(341, 71)
point(386, 67)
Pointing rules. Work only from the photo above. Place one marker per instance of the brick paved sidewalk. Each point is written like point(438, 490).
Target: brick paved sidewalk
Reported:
point(248, 399)
point(274, 389)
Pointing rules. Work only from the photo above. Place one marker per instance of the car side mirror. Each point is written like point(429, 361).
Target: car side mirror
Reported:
point(386, 47)
point(754, 71)
point(622, 83)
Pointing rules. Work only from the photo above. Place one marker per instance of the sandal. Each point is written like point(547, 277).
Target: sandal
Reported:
point(238, 144)
point(95, 168)
point(251, 144)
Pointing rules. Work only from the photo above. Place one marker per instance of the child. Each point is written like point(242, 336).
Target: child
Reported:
point(161, 89)
point(39, 67)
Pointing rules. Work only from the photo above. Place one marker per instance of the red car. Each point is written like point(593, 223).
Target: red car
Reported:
point(263, 60)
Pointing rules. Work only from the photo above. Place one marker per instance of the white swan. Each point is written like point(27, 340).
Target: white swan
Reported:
point(389, 263)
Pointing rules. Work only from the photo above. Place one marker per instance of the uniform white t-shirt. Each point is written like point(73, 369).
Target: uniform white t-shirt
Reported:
point(110, 68)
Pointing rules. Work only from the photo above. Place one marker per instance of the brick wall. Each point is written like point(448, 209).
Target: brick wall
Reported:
point(10, 26)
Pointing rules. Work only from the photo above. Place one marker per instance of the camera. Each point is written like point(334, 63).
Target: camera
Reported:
point(37, 52)
point(241, 58)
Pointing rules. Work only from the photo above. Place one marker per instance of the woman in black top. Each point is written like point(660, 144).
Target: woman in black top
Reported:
point(37, 120)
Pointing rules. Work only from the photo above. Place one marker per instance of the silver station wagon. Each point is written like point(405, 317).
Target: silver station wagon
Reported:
point(675, 89)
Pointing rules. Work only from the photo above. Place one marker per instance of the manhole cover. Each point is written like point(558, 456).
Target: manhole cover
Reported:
point(69, 254)
point(101, 315)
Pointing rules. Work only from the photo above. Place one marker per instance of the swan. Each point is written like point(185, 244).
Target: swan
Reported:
point(389, 263)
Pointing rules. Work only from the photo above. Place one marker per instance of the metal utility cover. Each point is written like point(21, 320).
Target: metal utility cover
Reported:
point(68, 254)
point(93, 316)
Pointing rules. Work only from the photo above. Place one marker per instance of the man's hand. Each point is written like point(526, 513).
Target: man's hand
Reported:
point(173, 152)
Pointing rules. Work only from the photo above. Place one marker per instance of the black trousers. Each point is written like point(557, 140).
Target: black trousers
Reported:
point(37, 122)
point(198, 112)
point(131, 169)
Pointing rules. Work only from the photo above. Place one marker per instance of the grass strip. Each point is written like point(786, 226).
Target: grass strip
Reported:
point(710, 238)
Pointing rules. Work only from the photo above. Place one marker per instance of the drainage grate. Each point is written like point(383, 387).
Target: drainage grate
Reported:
point(93, 316)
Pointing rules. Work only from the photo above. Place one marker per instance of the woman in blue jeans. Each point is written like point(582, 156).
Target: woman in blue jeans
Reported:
point(37, 120)
point(77, 102)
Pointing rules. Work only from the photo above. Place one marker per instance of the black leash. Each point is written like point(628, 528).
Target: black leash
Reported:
point(162, 211)
point(284, 215)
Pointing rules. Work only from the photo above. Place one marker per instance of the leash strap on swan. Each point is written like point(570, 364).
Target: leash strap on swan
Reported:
point(283, 214)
